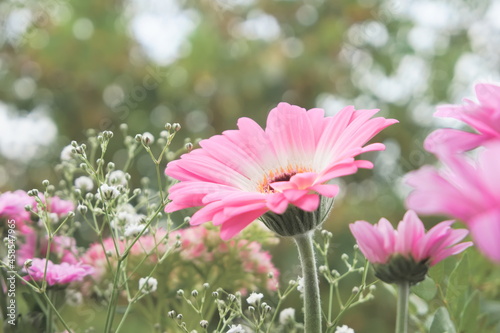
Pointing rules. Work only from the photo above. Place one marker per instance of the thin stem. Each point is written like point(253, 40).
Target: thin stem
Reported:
point(312, 302)
point(402, 314)
point(49, 315)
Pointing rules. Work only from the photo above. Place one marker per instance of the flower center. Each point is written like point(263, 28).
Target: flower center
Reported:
point(278, 176)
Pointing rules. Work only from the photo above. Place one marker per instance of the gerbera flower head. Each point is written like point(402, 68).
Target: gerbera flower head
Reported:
point(407, 253)
point(482, 116)
point(465, 189)
point(239, 176)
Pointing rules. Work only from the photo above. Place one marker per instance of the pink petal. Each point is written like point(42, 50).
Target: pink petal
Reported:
point(233, 226)
point(485, 231)
point(410, 230)
point(308, 202)
point(277, 203)
point(450, 252)
point(370, 241)
point(326, 190)
point(452, 140)
point(489, 96)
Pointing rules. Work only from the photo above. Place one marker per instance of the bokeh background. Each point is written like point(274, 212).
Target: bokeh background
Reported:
point(68, 65)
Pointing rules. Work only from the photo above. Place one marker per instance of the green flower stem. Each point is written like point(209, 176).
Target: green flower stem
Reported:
point(312, 302)
point(402, 314)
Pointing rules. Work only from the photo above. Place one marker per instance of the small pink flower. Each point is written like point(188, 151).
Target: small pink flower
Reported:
point(465, 189)
point(59, 206)
point(382, 244)
point(242, 174)
point(62, 247)
point(12, 206)
point(57, 273)
point(483, 117)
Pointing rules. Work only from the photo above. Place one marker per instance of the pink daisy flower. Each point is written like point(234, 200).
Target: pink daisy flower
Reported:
point(243, 174)
point(62, 247)
point(483, 117)
point(12, 207)
point(405, 254)
point(57, 274)
point(465, 189)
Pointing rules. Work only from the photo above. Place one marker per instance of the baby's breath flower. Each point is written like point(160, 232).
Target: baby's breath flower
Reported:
point(67, 153)
point(300, 286)
point(236, 329)
point(118, 177)
point(73, 297)
point(148, 285)
point(107, 192)
point(254, 298)
point(133, 230)
point(287, 316)
point(344, 329)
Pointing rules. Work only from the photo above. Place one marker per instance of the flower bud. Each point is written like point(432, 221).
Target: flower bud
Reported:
point(204, 324)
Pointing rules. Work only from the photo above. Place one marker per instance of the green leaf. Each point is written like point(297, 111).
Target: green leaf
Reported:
point(458, 286)
point(426, 289)
point(470, 314)
point(442, 322)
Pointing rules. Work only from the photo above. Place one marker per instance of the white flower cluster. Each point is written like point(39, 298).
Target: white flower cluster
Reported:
point(148, 285)
point(254, 298)
point(128, 221)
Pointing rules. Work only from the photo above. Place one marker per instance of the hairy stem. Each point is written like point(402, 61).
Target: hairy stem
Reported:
point(312, 302)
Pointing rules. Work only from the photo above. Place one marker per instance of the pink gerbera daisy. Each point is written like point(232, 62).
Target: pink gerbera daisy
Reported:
point(405, 254)
point(483, 117)
point(243, 174)
point(465, 189)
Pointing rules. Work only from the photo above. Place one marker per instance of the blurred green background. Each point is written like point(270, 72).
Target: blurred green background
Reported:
point(67, 65)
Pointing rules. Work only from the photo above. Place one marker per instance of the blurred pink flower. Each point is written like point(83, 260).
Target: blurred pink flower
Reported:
point(101, 256)
point(62, 247)
point(59, 206)
point(381, 241)
point(242, 174)
point(57, 274)
point(465, 189)
point(12, 207)
point(483, 117)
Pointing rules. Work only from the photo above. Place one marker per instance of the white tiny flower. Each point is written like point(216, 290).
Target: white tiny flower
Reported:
point(53, 218)
point(118, 177)
point(236, 329)
point(73, 297)
point(133, 230)
point(107, 192)
point(84, 183)
point(254, 298)
point(66, 154)
point(148, 285)
point(300, 286)
point(287, 316)
point(344, 329)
